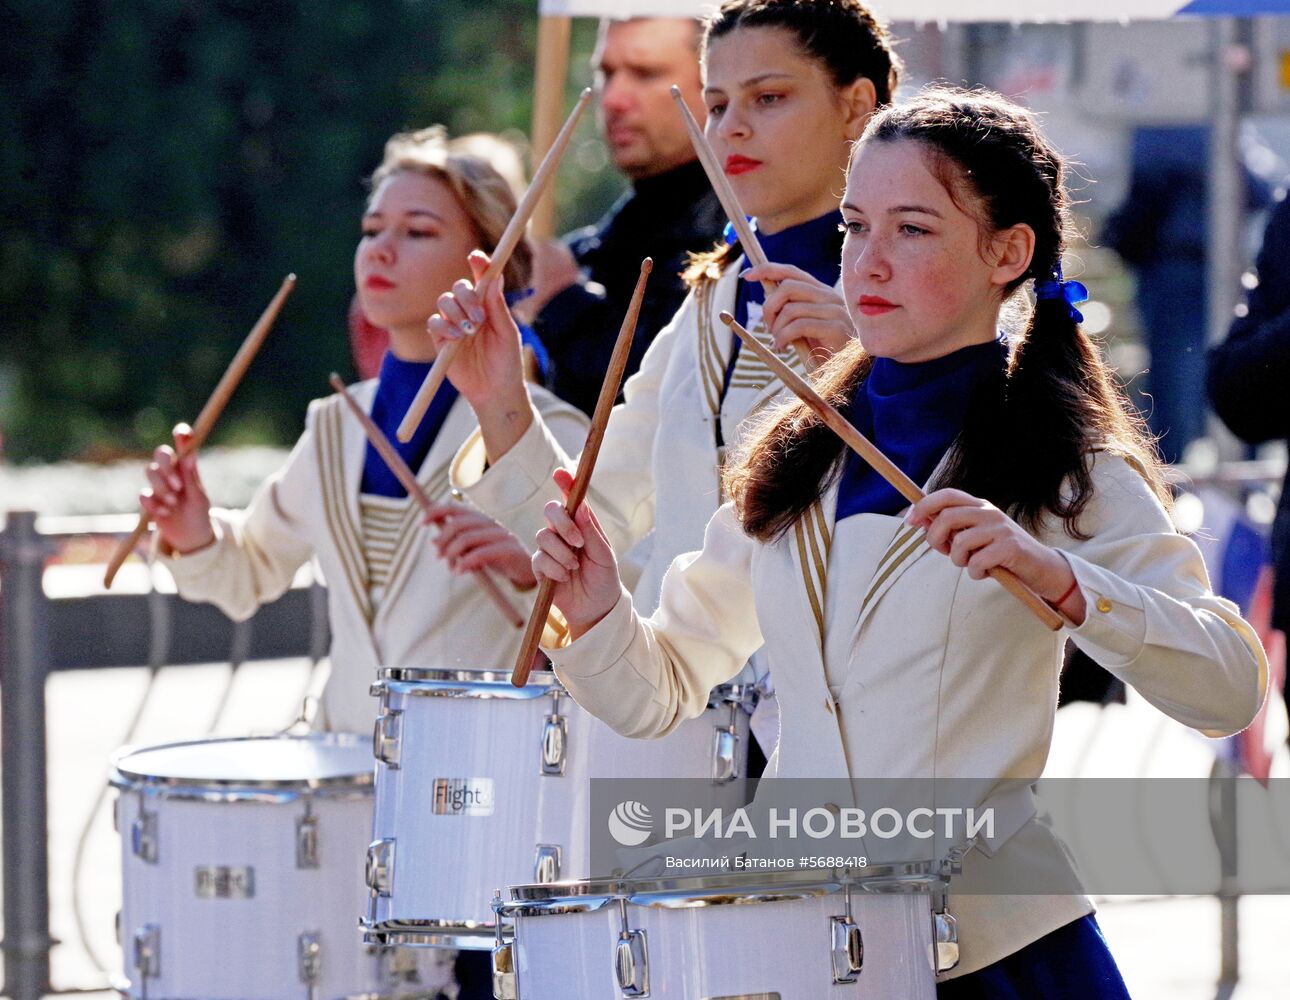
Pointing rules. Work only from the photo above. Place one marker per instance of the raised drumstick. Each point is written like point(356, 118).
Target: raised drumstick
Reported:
point(586, 463)
point(506, 245)
point(730, 204)
point(210, 412)
point(884, 466)
point(409, 482)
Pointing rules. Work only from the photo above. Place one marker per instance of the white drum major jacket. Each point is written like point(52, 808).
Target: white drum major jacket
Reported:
point(946, 677)
point(428, 617)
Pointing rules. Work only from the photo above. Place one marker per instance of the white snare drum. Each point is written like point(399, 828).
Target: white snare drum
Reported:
point(786, 935)
point(243, 873)
point(480, 784)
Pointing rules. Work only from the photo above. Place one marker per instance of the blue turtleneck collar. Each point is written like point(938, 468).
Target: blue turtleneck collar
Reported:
point(399, 382)
point(814, 246)
point(912, 412)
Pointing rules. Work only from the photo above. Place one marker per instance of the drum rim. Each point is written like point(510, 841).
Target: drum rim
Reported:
point(433, 682)
point(229, 789)
point(750, 886)
point(471, 935)
point(429, 682)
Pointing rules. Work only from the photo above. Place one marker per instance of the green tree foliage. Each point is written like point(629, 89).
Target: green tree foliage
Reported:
point(166, 162)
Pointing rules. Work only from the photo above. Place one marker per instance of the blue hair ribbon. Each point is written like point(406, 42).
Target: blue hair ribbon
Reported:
point(1056, 287)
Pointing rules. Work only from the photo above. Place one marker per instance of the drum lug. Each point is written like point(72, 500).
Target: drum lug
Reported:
point(555, 738)
point(725, 750)
point(147, 951)
point(144, 835)
point(945, 935)
point(387, 738)
point(848, 949)
point(546, 867)
point(380, 867)
point(117, 923)
point(505, 983)
point(307, 841)
point(631, 964)
point(505, 986)
point(116, 814)
point(309, 955)
point(631, 958)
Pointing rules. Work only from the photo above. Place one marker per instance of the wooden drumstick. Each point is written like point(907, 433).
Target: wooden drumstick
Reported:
point(210, 412)
point(881, 464)
point(409, 482)
point(586, 463)
point(730, 204)
point(506, 245)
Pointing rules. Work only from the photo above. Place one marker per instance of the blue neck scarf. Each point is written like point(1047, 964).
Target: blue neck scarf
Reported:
point(912, 412)
point(814, 246)
point(399, 382)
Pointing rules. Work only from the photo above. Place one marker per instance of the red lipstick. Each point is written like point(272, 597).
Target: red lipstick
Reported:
point(875, 305)
point(736, 165)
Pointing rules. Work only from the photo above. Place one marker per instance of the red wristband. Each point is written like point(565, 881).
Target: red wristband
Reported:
point(1069, 590)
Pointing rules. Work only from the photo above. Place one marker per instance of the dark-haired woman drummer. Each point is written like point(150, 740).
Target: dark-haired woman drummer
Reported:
point(893, 656)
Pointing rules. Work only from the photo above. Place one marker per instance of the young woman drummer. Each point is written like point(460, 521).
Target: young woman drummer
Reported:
point(391, 599)
point(789, 85)
point(893, 655)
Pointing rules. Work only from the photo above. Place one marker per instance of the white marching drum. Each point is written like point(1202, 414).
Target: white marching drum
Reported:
point(480, 784)
point(785, 935)
point(243, 873)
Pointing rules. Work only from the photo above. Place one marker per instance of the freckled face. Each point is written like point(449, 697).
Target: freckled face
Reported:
point(916, 283)
point(416, 237)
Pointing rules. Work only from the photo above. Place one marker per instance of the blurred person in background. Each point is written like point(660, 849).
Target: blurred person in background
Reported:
point(1161, 232)
point(1250, 371)
point(582, 286)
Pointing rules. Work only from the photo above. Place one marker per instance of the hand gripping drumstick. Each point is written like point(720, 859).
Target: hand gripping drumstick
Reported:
point(409, 482)
point(210, 412)
point(730, 204)
point(586, 462)
point(506, 245)
point(881, 464)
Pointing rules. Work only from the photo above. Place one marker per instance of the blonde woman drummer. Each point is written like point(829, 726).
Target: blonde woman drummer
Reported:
point(392, 598)
point(788, 86)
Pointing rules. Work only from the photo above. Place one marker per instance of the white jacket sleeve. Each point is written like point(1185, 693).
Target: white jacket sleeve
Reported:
point(622, 488)
point(643, 677)
point(1152, 619)
point(256, 551)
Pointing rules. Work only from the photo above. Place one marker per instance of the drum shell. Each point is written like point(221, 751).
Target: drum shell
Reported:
point(447, 866)
point(223, 941)
point(778, 948)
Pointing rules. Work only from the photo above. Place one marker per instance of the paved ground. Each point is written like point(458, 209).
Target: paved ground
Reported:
point(1168, 949)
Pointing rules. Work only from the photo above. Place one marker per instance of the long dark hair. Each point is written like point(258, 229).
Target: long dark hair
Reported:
point(1028, 432)
point(842, 35)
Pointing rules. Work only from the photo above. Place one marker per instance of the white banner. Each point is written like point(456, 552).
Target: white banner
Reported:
point(945, 10)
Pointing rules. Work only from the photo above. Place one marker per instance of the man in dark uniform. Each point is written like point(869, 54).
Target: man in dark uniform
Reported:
point(583, 286)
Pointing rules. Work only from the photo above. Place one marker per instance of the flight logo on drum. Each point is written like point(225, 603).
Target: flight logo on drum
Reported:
point(224, 882)
point(631, 823)
point(462, 797)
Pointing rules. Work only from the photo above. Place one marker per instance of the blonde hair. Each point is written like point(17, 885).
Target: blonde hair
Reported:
point(482, 189)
